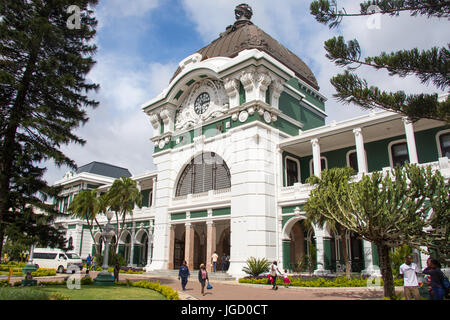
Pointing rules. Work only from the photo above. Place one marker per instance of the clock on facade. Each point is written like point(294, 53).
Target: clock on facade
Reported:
point(202, 103)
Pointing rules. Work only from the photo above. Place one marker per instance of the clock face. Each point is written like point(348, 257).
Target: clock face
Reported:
point(201, 103)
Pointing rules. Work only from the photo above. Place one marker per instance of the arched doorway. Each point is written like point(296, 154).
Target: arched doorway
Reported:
point(302, 247)
point(140, 255)
point(125, 246)
point(356, 252)
point(223, 246)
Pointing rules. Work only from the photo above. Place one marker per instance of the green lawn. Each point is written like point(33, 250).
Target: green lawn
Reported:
point(92, 292)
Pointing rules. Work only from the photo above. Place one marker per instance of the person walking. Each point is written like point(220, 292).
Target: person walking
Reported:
point(273, 269)
point(183, 274)
point(116, 271)
point(224, 262)
point(203, 277)
point(88, 263)
point(286, 279)
point(214, 258)
point(437, 278)
point(408, 271)
point(427, 278)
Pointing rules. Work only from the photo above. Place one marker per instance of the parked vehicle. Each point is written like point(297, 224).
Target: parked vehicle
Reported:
point(56, 259)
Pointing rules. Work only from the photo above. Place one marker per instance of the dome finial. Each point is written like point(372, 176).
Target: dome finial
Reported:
point(243, 12)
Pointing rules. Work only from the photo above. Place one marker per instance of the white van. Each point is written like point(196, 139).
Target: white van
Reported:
point(55, 259)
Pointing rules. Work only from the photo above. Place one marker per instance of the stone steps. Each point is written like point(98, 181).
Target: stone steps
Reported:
point(219, 275)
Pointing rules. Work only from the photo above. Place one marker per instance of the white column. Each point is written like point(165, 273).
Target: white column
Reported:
point(410, 140)
point(132, 244)
point(154, 192)
point(316, 157)
point(360, 152)
point(370, 268)
point(319, 234)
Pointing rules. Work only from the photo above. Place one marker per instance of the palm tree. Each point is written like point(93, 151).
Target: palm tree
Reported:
point(315, 216)
point(83, 207)
point(123, 196)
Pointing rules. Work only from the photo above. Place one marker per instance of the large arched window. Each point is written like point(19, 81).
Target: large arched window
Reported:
point(205, 172)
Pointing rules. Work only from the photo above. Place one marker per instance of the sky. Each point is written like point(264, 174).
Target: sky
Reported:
point(141, 42)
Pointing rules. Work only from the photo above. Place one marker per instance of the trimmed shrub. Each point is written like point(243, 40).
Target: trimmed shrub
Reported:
point(86, 281)
point(166, 291)
point(44, 272)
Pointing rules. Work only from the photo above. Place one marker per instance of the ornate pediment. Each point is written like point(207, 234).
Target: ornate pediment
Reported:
point(207, 99)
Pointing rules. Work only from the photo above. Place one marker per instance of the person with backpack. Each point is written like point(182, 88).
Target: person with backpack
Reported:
point(439, 282)
point(273, 269)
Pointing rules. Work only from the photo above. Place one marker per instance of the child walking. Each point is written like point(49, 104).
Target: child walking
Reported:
point(286, 279)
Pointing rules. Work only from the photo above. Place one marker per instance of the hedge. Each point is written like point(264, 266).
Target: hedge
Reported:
point(317, 282)
point(41, 272)
point(166, 291)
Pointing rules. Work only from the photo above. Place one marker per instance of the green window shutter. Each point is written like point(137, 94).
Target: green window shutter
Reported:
point(242, 98)
point(376, 260)
point(145, 198)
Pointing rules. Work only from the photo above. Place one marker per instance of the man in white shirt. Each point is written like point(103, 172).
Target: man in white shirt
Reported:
point(214, 260)
point(410, 284)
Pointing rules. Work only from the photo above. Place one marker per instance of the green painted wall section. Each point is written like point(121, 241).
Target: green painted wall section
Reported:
point(308, 94)
point(221, 212)
point(286, 126)
point(375, 258)
point(199, 214)
point(427, 145)
point(327, 254)
point(290, 209)
point(178, 216)
point(145, 197)
point(287, 254)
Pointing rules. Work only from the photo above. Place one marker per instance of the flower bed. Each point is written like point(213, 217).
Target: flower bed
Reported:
point(323, 282)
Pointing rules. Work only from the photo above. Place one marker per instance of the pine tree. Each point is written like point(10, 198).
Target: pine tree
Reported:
point(43, 98)
point(430, 66)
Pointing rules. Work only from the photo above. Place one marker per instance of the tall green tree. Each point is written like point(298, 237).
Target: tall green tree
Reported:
point(123, 196)
point(408, 205)
point(43, 98)
point(429, 66)
point(314, 215)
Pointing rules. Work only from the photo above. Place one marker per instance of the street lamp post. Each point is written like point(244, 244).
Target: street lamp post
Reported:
point(105, 277)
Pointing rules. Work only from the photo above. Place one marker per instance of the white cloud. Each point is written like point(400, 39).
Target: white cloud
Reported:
point(118, 132)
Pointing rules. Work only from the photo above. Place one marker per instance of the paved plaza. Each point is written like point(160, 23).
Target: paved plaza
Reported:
point(232, 290)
